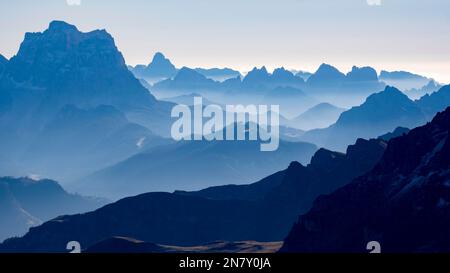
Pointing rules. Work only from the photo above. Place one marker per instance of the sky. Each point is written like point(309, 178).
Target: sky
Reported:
point(411, 35)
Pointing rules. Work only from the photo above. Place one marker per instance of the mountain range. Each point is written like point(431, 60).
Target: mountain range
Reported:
point(403, 80)
point(198, 163)
point(70, 91)
point(431, 87)
point(403, 203)
point(72, 110)
point(326, 84)
point(218, 74)
point(263, 211)
point(319, 116)
point(161, 68)
point(380, 113)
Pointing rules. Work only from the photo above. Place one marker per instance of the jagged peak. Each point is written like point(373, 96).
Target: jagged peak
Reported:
point(390, 92)
point(160, 58)
point(327, 67)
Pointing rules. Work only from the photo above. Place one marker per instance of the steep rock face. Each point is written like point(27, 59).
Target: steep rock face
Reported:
point(403, 202)
point(60, 67)
point(79, 68)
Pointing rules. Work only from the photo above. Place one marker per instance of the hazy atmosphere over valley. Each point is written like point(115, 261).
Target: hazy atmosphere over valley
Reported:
point(224, 126)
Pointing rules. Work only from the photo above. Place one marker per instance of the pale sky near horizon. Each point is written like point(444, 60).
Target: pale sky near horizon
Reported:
point(297, 34)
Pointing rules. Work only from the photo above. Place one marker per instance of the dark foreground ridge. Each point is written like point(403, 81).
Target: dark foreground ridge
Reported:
point(403, 203)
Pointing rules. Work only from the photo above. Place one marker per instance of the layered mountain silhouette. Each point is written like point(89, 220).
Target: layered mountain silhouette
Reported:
point(189, 99)
point(380, 113)
point(435, 102)
point(402, 203)
point(94, 138)
point(159, 68)
point(218, 74)
point(186, 79)
point(260, 79)
point(362, 78)
point(326, 84)
point(26, 203)
point(85, 69)
point(319, 116)
point(304, 75)
point(59, 79)
point(199, 164)
point(431, 87)
point(258, 86)
point(290, 100)
point(403, 80)
point(326, 76)
point(399, 131)
point(264, 211)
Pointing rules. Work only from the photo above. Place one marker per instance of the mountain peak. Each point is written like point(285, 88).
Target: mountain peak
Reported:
point(62, 51)
point(389, 93)
point(365, 73)
point(159, 67)
point(160, 61)
point(257, 75)
point(327, 67)
point(188, 74)
point(158, 56)
point(61, 26)
point(326, 75)
point(282, 73)
point(262, 70)
point(86, 68)
point(295, 165)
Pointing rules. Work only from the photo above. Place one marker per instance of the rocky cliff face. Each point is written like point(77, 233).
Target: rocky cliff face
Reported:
point(404, 202)
point(76, 68)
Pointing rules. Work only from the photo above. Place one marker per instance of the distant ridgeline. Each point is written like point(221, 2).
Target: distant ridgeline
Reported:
point(72, 110)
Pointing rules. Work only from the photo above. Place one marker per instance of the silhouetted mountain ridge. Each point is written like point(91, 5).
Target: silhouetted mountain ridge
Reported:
point(264, 211)
point(402, 203)
point(380, 113)
point(27, 203)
